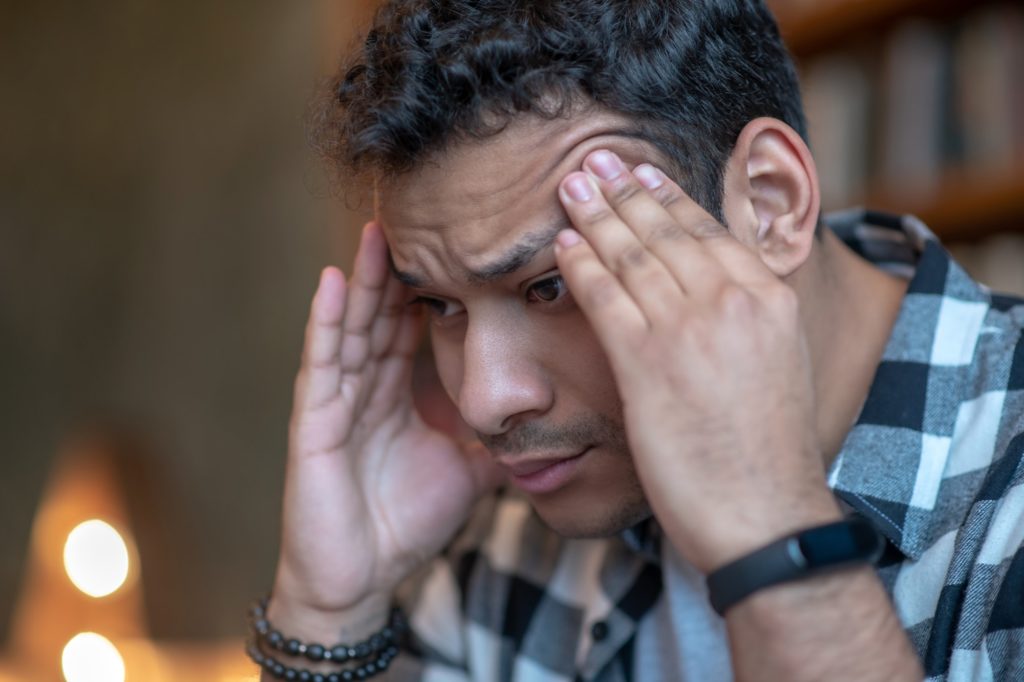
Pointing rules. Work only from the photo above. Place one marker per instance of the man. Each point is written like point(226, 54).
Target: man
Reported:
point(667, 408)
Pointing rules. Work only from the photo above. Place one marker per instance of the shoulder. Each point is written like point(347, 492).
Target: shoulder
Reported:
point(971, 620)
point(989, 420)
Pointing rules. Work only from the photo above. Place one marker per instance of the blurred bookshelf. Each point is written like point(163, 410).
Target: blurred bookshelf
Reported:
point(916, 106)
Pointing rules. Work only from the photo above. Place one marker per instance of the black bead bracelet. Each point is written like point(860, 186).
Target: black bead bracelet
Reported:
point(283, 672)
point(381, 647)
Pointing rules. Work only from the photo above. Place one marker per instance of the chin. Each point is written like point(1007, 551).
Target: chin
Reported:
point(592, 521)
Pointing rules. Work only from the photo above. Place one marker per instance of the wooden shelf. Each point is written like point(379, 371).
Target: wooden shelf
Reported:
point(965, 205)
point(810, 26)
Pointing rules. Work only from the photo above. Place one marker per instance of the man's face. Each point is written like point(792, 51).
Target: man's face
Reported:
point(472, 232)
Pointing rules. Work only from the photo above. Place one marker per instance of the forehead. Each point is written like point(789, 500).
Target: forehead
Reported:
point(462, 210)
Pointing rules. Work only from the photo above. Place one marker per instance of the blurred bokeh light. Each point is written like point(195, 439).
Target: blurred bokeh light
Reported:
point(96, 558)
point(90, 657)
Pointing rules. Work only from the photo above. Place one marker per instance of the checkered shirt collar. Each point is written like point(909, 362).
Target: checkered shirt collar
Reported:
point(911, 408)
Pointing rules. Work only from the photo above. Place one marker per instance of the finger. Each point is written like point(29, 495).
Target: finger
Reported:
point(684, 257)
point(392, 378)
point(617, 320)
point(366, 292)
point(397, 361)
point(739, 262)
point(643, 276)
point(317, 380)
point(392, 307)
point(362, 385)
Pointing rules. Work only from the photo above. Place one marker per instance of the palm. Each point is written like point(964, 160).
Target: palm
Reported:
point(371, 491)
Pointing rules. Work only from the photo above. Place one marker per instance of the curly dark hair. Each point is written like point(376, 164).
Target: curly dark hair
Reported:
point(689, 73)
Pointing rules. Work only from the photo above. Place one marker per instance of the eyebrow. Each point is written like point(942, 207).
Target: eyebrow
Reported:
point(518, 256)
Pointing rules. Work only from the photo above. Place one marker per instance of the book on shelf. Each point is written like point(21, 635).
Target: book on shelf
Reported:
point(891, 115)
point(990, 101)
point(837, 99)
point(914, 83)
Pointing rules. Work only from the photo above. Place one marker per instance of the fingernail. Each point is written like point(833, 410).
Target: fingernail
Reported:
point(605, 165)
point(579, 188)
point(649, 176)
point(568, 238)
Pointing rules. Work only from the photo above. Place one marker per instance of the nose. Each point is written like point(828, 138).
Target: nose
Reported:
point(503, 382)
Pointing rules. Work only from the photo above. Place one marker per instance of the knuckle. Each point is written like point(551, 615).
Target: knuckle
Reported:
point(602, 292)
point(735, 301)
point(597, 215)
point(707, 227)
point(668, 195)
point(358, 331)
point(666, 231)
point(391, 310)
point(630, 258)
point(379, 341)
point(624, 191)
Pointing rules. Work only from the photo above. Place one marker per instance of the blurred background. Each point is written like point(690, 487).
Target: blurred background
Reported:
point(162, 225)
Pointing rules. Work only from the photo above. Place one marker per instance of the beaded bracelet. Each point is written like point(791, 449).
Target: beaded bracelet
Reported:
point(283, 672)
point(387, 638)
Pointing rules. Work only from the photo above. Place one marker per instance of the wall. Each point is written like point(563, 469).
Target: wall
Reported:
point(162, 224)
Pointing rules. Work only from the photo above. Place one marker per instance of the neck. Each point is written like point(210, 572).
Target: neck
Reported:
point(849, 308)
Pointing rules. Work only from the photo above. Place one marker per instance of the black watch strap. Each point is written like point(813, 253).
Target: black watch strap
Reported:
point(815, 550)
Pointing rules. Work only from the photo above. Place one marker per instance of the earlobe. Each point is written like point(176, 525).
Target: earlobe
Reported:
point(776, 185)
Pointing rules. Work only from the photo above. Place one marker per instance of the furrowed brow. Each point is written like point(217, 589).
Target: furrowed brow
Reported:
point(517, 257)
point(407, 278)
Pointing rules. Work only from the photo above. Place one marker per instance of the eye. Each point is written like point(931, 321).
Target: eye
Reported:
point(437, 307)
point(547, 290)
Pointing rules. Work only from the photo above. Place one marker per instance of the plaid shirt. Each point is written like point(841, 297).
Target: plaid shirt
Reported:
point(934, 461)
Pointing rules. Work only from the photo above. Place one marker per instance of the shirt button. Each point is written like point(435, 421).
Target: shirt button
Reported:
point(599, 630)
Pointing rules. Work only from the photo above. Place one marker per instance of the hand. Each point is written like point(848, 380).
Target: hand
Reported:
point(371, 492)
point(707, 350)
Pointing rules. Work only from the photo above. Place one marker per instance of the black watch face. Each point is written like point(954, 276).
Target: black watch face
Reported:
point(840, 543)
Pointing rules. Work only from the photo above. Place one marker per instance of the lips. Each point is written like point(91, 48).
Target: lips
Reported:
point(532, 466)
point(543, 475)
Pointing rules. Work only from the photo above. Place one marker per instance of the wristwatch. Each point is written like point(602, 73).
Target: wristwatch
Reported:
point(837, 545)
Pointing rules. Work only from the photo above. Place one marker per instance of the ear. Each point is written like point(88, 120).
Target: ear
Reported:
point(772, 198)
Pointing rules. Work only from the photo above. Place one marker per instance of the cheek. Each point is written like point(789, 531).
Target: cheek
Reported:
point(578, 363)
point(449, 361)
